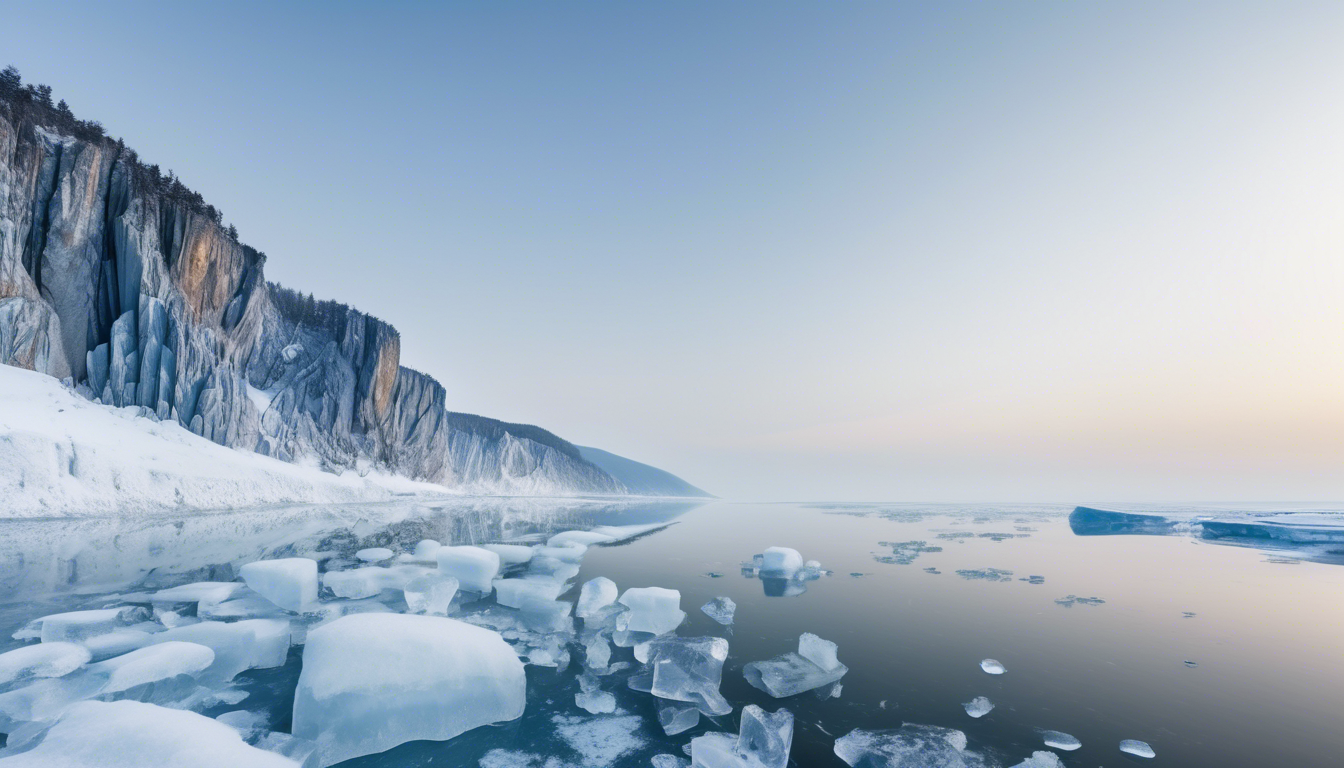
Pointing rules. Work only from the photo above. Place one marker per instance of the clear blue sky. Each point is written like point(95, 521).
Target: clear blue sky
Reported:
point(1035, 251)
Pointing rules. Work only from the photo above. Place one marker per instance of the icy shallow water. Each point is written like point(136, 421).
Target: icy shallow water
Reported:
point(1093, 630)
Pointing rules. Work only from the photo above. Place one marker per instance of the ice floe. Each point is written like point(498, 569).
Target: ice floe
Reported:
point(794, 673)
point(1137, 748)
point(978, 707)
point(372, 681)
point(764, 740)
point(720, 609)
point(992, 667)
point(290, 583)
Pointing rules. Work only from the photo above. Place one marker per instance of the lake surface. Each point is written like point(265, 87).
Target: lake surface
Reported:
point(1215, 655)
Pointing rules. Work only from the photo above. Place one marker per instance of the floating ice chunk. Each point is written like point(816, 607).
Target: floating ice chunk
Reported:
point(569, 554)
point(201, 592)
point(510, 554)
point(601, 740)
point(1041, 760)
point(130, 734)
point(668, 761)
point(818, 651)
point(1137, 748)
point(249, 606)
point(249, 725)
point(677, 718)
point(653, 609)
point(152, 664)
point(992, 667)
point(687, 669)
point(581, 538)
point(910, 746)
point(473, 567)
point(238, 645)
point(597, 654)
point(374, 554)
point(55, 659)
point(290, 582)
point(780, 562)
point(1060, 740)
point(794, 673)
point(75, 626)
point(423, 552)
point(595, 701)
point(546, 615)
point(431, 594)
point(434, 678)
point(355, 584)
point(764, 741)
point(978, 707)
point(720, 609)
point(595, 595)
point(515, 593)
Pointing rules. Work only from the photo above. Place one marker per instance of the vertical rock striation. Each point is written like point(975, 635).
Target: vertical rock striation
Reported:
point(137, 296)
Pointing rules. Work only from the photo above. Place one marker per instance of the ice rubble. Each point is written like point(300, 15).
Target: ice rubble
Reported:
point(978, 707)
point(131, 734)
point(763, 741)
point(1137, 748)
point(720, 609)
point(290, 582)
point(815, 665)
point(1060, 740)
point(519, 592)
point(992, 667)
point(474, 568)
point(55, 659)
point(910, 746)
point(434, 678)
point(368, 581)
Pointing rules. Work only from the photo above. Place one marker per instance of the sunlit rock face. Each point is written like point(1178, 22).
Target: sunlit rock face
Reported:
point(134, 292)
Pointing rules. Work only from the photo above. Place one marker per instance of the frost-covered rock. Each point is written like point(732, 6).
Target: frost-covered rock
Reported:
point(290, 583)
point(434, 678)
point(131, 734)
point(720, 609)
point(474, 568)
point(55, 659)
point(653, 609)
point(595, 595)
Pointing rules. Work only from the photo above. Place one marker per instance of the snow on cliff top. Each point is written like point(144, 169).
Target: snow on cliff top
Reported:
point(61, 455)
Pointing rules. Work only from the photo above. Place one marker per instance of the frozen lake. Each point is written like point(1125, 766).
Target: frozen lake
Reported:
point(1214, 655)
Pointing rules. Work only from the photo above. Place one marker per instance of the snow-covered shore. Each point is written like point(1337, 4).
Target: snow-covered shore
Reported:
point(64, 456)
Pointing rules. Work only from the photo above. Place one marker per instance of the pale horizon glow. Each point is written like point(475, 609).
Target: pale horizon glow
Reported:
point(805, 251)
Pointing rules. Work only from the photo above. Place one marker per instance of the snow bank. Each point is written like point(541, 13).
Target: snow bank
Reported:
point(62, 456)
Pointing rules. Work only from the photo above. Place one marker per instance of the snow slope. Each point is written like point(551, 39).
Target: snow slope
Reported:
point(640, 479)
point(62, 455)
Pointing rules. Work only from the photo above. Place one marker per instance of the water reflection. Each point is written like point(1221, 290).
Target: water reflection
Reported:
point(40, 557)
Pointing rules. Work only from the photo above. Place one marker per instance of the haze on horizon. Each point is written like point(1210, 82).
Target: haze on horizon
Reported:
point(1061, 252)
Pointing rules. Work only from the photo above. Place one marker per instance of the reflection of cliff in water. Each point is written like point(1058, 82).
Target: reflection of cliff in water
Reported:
point(59, 555)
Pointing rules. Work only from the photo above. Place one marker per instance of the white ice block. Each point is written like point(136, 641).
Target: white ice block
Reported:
point(290, 582)
point(473, 567)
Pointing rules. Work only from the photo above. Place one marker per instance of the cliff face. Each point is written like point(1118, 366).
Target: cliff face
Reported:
point(138, 298)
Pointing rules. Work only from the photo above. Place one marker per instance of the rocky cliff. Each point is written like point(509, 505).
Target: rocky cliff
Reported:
point(129, 287)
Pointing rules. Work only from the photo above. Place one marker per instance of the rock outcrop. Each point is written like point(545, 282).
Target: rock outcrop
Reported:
point(132, 291)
